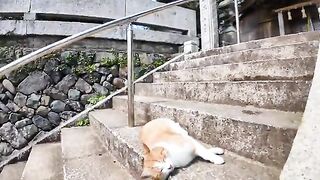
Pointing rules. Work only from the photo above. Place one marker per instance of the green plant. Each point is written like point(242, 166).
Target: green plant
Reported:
point(83, 122)
point(95, 99)
point(79, 62)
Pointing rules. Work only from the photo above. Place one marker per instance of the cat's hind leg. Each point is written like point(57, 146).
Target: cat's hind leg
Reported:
point(208, 154)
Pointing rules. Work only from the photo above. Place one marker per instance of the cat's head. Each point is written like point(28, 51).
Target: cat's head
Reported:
point(156, 165)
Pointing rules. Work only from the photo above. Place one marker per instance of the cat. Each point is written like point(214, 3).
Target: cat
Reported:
point(167, 146)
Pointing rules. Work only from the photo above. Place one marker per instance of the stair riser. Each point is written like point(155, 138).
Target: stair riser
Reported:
point(281, 95)
point(282, 52)
point(288, 69)
point(126, 155)
point(264, 43)
point(269, 145)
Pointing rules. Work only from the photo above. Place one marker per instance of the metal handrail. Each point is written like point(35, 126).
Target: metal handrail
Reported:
point(69, 40)
point(76, 37)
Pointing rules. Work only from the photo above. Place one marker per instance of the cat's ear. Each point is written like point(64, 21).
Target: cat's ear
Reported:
point(146, 150)
point(146, 174)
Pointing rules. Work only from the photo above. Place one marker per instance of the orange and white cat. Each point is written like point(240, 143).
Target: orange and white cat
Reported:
point(167, 146)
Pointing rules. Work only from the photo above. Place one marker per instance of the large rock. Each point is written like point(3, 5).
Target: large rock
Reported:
point(4, 98)
point(43, 111)
point(14, 117)
point(56, 94)
point(13, 107)
point(24, 122)
point(45, 100)
point(11, 135)
point(54, 118)
point(74, 94)
point(3, 118)
point(66, 83)
point(28, 112)
point(114, 71)
point(118, 83)
point(75, 106)
point(5, 149)
point(29, 131)
point(83, 86)
point(9, 86)
point(36, 81)
point(84, 98)
point(9, 95)
point(1, 88)
point(33, 101)
point(4, 108)
point(92, 77)
point(108, 85)
point(100, 89)
point(20, 99)
point(42, 123)
point(104, 70)
point(57, 106)
point(50, 69)
point(67, 115)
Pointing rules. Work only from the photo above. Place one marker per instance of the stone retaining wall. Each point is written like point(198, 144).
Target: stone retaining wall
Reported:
point(40, 95)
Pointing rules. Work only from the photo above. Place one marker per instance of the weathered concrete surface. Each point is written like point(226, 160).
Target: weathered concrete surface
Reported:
point(97, 8)
point(275, 52)
point(85, 157)
point(123, 142)
point(62, 28)
point(279, 69)
point(13, 27)
point(9, 6)
point(175, 17)
point(303, 161)
point(44, 163)
point(261, 43)
point(260, 134)
point(12, 171)
point(283, 95)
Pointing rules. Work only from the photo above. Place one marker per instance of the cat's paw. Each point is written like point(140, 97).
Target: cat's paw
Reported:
point(217, 150)
point(218, 160)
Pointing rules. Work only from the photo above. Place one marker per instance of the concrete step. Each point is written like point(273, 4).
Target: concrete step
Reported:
point(44, 163)
point(85, 157)
point(261, 43)
point(124, 143)
point(12, 171)
point(285, 95)
point(278, 69)
point(300, 50)
point(259, 134)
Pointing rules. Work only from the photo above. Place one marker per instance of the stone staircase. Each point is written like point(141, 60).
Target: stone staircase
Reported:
point(246, 98)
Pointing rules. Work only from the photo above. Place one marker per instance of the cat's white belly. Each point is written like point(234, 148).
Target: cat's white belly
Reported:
point(179, 155)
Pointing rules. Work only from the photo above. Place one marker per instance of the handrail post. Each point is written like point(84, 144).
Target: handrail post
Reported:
point(130, 66)
point(237, 20)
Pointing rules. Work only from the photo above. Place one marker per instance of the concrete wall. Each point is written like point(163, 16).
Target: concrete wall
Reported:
point(50, 19)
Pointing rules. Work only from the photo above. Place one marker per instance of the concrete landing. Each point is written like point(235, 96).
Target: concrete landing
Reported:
point(85, 158)
point(12, 171)
point(123, 142)
point(44, 163)
point(260, 134)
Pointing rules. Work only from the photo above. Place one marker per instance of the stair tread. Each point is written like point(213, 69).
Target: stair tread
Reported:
point(44, 162)
point(275, 118)
point(12, 171)
point(85, 158)
point(273, 69)
point(236, 167)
